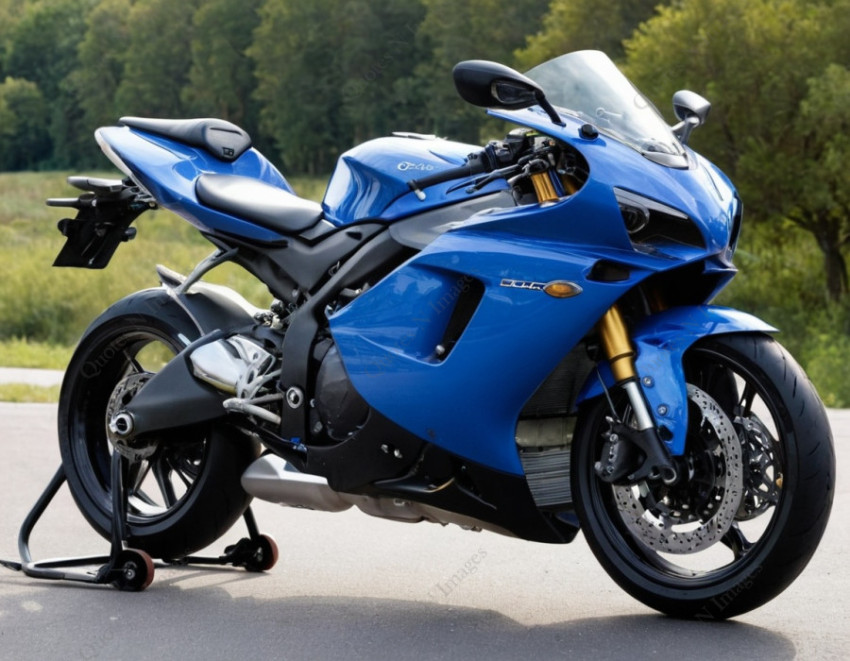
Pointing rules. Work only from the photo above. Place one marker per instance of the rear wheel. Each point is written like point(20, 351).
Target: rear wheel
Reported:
point(186, 491)
point(759, 474)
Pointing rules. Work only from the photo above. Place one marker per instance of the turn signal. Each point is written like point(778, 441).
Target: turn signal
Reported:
point(562, 289)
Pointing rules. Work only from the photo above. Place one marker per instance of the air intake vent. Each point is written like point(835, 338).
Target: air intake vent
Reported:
point(548, 474)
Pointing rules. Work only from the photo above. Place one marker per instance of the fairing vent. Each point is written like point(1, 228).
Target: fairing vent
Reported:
point(545, 429)
point(651, 224)
point(548, 473)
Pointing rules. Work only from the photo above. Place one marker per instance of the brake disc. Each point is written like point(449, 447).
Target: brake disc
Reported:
point(129, 446)
point(696, 512)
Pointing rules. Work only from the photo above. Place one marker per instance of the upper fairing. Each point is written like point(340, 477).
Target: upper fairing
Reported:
point(699, 190)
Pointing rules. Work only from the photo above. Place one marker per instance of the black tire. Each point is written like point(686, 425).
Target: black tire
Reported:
point(787, 469)
point(185, 495)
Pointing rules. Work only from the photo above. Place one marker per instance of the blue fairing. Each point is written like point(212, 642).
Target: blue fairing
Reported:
point(661, 340)
point(169, 169)
point(469, 402)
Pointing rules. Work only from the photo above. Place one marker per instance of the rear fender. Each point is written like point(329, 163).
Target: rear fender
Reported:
point(661, 341)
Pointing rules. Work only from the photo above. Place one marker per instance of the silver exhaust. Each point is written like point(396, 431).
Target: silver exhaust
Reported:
point(273, 479)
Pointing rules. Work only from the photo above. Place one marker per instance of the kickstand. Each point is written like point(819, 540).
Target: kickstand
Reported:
point(126, 568)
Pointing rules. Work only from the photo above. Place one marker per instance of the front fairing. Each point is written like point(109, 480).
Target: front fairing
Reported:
point(699, 191)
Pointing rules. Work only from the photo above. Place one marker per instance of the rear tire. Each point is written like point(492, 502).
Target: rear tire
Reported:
point(652, 539)
point(188, 492)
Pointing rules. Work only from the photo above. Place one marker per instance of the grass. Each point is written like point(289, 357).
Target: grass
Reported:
point(24, 393)
point(20, 352)
point(44, 310)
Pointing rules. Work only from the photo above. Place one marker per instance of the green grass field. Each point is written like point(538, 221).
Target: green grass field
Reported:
point(44, 310)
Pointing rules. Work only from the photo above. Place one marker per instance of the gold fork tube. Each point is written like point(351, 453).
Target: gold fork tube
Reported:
point(544, 188)
point(615, 342)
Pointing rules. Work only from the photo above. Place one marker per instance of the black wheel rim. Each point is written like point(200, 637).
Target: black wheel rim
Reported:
point(159, 485)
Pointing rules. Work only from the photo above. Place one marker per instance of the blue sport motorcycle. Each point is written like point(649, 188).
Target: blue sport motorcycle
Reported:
point(514, 339)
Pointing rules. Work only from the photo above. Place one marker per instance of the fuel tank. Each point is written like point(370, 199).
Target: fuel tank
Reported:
point(370, 180)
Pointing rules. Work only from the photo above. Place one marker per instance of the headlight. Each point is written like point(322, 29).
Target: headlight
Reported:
point(650, 223)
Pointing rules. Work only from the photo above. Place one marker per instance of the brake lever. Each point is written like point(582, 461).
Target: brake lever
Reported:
point(503, 173)
point(534, 166)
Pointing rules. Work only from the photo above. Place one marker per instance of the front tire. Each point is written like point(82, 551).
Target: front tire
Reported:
point(187, 493)
point(744, 524)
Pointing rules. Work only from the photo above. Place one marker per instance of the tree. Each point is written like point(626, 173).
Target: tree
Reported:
point(221, 77)
point(10, 11)
point(157, 58)
point(297, 85)
point(572, 25)
point(477, 29)
point(766, 67)
point(327, 74)
point(42, 48)
point(378, 52)
point(101, 65)
point(23, 126)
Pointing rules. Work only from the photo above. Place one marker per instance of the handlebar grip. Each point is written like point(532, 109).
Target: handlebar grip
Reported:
point(477, 163)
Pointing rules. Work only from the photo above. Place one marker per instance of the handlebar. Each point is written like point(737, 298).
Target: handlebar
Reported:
point(493, 156)
point(477, 163)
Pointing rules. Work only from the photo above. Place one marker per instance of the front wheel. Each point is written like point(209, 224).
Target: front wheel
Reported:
point(757, 487)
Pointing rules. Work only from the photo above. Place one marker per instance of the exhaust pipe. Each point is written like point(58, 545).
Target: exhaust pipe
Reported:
point(271, 478)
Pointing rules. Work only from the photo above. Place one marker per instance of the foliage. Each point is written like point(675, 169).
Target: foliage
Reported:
point(157, 59)
point(477, 29)
point(101, 54)
point(23, 124)
point(572, 25)
point(350, 85)
point(775, 71)
point(221, 76)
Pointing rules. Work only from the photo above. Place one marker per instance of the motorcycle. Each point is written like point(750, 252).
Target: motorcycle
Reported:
point(516, 339)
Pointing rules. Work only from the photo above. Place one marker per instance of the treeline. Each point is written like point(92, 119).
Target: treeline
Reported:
point(306, 79)
point(309, 79)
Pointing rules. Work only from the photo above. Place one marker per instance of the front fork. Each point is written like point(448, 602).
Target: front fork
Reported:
point(633, 449)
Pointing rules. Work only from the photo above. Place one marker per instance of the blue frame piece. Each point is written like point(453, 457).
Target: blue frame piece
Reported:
point(661, 341)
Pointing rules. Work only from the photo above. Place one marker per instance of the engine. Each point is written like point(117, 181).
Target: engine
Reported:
point(240, 366)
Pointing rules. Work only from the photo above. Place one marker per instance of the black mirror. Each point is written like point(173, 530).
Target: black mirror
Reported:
point(692, 110)
point(493, 85)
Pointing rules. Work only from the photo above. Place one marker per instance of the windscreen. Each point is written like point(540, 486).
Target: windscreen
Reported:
point(589, 86)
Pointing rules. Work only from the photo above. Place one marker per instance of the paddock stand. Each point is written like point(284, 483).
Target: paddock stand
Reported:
point(126, 568)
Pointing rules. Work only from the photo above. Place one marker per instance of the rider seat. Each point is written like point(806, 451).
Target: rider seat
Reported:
point(257, 201)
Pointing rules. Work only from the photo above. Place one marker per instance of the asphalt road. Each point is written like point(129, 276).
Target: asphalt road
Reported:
point(352, 587)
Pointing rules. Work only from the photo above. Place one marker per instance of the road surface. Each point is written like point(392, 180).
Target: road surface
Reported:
point(352, 587)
